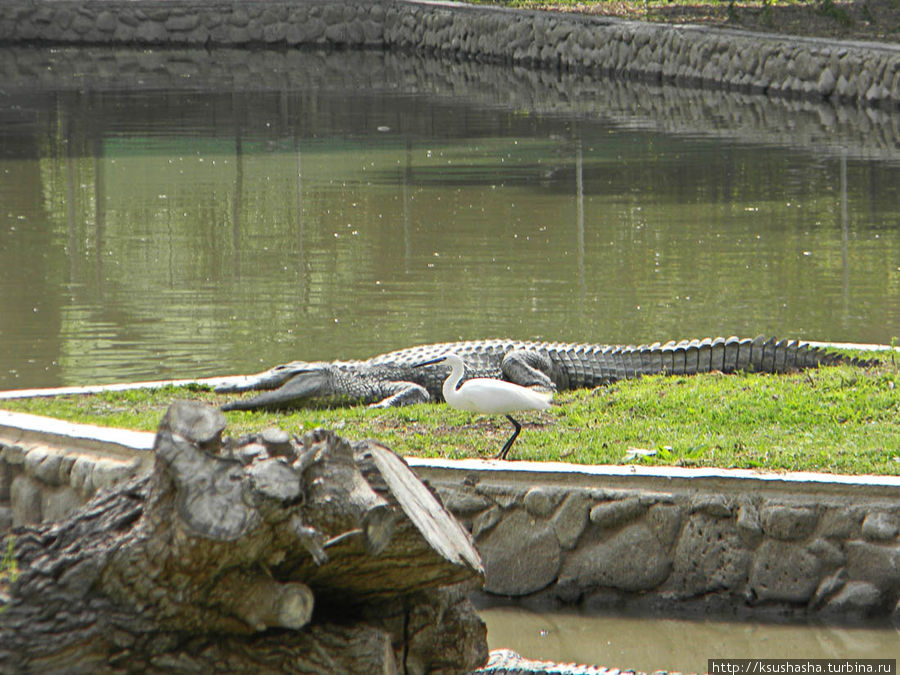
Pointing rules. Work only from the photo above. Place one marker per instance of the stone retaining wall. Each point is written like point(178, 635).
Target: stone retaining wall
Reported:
point(670, 540)
point(821, 127)
point(775, 65)
point(718, 542)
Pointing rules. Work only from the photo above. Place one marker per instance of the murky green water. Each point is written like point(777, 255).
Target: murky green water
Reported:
point(370, 202)
point(675, 645)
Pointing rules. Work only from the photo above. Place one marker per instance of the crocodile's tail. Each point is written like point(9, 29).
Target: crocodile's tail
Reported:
point(728, 355)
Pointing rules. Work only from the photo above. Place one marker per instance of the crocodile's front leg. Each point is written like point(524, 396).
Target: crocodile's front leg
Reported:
point(529, 369)
point(402, 393)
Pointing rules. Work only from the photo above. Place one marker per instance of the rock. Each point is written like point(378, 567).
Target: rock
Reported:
point(59, 503)
point(829, 553)
point(828, 587)
point(878, 564)
point(81, 476)
point(715, 505)
point(788, 523)
point(540, 501)
point(632, 559)
point(571, 518)
point(748, 526)
point(108, 472)
point(44, 464)
point(520, 555)
point(6, 478)
point(150, 31)
point(857, 598)
point(25, 501)
point(784, 571)
point(614, 514)
point(880, 526)
point(709, 557)
point(463, 503)
point(13, 454)
point(840, 523)
point(486, 520)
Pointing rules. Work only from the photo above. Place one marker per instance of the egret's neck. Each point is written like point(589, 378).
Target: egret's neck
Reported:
point(456, 373)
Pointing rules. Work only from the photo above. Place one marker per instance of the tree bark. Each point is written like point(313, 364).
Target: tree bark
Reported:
point(264, 553)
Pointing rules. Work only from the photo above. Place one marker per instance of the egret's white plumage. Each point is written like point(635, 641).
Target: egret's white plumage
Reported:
point(490, 396)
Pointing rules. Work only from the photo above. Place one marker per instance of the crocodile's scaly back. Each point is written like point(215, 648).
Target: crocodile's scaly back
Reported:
point(578, 365)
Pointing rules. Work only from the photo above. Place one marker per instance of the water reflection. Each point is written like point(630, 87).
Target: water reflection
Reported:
point(674, 645)
point(366, 202)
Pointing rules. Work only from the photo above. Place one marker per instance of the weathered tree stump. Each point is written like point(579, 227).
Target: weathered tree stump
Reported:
point(262, 554)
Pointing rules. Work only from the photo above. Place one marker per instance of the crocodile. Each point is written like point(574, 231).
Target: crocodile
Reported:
point(393, 379)
point(508, 662)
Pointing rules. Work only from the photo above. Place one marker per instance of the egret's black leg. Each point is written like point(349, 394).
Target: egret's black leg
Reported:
point(511, 439)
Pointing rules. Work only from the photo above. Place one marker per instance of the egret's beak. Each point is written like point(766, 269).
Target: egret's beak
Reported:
point(431, 362)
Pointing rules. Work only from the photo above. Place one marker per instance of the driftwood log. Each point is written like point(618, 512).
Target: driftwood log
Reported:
point(261, 554)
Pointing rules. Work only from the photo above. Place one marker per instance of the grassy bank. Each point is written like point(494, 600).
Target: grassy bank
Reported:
point(837, 419)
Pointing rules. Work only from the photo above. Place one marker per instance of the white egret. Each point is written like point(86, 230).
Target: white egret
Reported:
point(488, 396)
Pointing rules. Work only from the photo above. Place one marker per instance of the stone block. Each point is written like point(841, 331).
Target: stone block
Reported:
point(541, 501)
point(840, 523)
point(632, 559)
point(462, 502)
point(876, 563)
point(81, 477)
point(709, 557)
point(13, 454)
point(788, 523)
point(58, 503)
point(826, 83)
point(25, 501)
point(486, 520)
point(6, 478)
point(571, 518)
point(827, 589)
point(109, 472)
point(715, 505)
point(784, 571)
point(43, 464)
point(106, 21)
point(748, 526)
point(856, 598)
point(520, 555)
point(880, 526)
point(182, 22)
point(6, 519)
point(150, 31)
point(617, 513)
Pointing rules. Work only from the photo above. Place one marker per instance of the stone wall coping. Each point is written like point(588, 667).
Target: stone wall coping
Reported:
point(655, 477)
point(25, 428)
point(120, 386)
point(647, 25)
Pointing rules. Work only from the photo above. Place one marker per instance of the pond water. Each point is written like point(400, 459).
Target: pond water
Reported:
point(674, 645)
point(345, 204)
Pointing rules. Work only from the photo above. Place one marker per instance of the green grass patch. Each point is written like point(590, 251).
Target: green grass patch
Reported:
point(839, 419)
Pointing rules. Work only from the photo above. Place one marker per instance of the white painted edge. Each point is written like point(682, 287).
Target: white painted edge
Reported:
point(123, 386)
point(595, 471)
point(16, 425)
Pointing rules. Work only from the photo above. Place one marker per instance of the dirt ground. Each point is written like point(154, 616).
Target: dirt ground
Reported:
point(877, 20)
